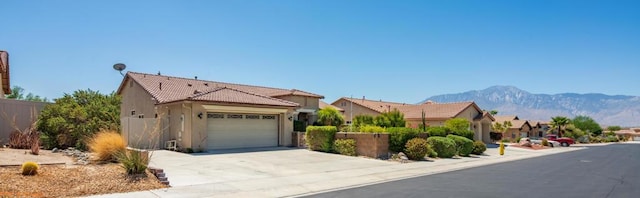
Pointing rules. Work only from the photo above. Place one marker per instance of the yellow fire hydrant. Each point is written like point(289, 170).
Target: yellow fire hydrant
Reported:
point(501, 148)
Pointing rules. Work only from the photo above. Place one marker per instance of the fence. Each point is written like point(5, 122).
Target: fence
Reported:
point(19, 112)
point(144, 133)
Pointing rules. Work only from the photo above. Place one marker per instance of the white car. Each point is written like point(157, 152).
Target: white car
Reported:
point(538, 141)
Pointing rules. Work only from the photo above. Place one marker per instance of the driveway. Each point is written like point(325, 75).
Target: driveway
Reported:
point(250, 165)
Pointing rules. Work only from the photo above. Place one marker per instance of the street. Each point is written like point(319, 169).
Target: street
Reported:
point(598, 171)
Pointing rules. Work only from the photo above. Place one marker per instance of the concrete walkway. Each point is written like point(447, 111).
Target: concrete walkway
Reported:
point(299, 172)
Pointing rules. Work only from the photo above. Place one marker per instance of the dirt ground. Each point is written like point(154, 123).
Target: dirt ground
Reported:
point(18, 156)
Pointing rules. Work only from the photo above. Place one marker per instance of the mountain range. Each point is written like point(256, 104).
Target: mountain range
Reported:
point(508, 100)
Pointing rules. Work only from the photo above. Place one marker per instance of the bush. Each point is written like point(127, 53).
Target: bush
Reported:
point(545, 142)
point(320, 138)
point(133, 162)
point(596, 139)
point(417, 149)
point(506, 140)
point(29, 168)
point(437, 131)
point(362, 120)
point(398, 137)
point(20, 140)
point(611, 138)
point(518, 139)
point(464, 146)
point(444, 147)
point(464, 133)
point(345, 146)
point(106, 144)
point(479, 147)
point(371, 129)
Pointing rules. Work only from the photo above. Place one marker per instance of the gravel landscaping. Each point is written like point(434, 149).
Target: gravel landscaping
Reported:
point(70, 176)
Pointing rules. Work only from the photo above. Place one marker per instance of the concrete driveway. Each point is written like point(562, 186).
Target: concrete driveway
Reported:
point(248, 165)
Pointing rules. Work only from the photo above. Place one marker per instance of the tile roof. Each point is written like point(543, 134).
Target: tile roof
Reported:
point(414, 111)
point(516, 123)
point(4, 69)
point(169, 89)
point(323, 104)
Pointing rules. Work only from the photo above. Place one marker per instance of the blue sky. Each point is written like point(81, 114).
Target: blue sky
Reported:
point(401, 51)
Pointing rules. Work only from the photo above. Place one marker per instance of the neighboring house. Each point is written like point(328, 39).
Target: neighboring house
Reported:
point(539, 128)
point(633, 133)
point(5, 87)
point(519, 128)
point(324, 104)
point(206, 115)
point(435, 113)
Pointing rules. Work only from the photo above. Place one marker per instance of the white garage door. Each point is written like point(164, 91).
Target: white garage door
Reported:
point(233, 130)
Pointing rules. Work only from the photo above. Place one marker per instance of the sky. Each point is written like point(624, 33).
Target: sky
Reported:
point(403, 51)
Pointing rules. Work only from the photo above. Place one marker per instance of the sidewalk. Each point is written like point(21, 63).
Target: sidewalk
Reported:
point(308, 184)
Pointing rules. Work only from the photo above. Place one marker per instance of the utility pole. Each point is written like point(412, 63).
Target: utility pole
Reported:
point(351, 115)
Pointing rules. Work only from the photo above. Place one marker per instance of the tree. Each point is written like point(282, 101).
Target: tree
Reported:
point(393, 118)
point(457, 124)
point(329, 116)
point(74, 118)
point(613, 128)
point(362, 120)
point(573, 132)
point(587, 124)
point(560, 122)
point(493, 112)
point(501, 127)
point(17, 93)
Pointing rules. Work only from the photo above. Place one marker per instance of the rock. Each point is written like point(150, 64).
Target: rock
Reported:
point(402, 156)
point(54, 150)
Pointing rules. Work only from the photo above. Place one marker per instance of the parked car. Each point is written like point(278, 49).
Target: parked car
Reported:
point(564, 141)
point(539, 141)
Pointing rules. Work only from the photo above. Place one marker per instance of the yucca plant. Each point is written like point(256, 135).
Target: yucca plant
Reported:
point(133, 161)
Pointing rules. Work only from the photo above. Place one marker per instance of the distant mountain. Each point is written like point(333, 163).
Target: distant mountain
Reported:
point(508, 100)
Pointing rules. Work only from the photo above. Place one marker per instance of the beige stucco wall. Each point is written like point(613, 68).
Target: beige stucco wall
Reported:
point(305, 102)
point(134, 97)
point(354, 110)
point(514, 133)
point(1, 88)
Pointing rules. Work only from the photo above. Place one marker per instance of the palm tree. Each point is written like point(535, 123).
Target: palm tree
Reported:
point(560, 122)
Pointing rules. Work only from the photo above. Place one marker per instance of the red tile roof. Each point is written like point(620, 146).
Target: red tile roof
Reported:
point(4, 69)
point(516, 123)
point(323, 104)
point(167, 89)
point(412, 111)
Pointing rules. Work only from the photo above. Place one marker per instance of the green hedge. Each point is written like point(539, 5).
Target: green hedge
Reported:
point(464, 133)
point(371, 129)
point(398, 137)
point(345, 146)
point(611, 138)
point(417, 149)
point(444, 147)
point(320, 138)
point(437, 131)
point(479, 147)
point(464, 146)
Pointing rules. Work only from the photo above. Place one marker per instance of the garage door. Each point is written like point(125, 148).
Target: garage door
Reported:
point(233, 130)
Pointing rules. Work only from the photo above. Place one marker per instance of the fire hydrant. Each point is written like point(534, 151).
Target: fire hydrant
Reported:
point(501, 148)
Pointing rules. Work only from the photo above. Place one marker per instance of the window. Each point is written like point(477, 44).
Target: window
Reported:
point(234, 116)
point(268, 117)
point(215, 115)
point(513, 136)
point(343, 104)
point(133, 112)
point(252, 116)
point(141, 116)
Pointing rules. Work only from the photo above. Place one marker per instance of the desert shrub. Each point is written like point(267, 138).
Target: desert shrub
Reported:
point(518, 139)
point(444, 147)
point(106, 144)
point(29, 168)
point(438, 131)
point(20, 140)
point(320, 138)
point(75, 118)
point(611, 138)
point(464, 133)
point(479, 147)
point(398, 137)
point(464, 146)
point(417, 149)
point(133, 161)
point(545, 142)
point(506, 140)
point(345, 146)
point(371, 129)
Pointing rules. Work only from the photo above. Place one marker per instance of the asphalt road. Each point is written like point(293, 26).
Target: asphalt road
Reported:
point(603, 171)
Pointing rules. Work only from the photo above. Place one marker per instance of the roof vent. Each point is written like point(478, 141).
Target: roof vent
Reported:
point(206, 84)
point(197, 91)
point(161, 86)
point(189, 84)
point(196, 77)
point(159, 73)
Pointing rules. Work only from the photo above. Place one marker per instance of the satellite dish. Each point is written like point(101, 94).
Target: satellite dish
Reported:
point(119, 67)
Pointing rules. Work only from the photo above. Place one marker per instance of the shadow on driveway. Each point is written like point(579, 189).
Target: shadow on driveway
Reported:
point(242, 150)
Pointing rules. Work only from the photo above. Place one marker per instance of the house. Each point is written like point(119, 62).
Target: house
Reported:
point(158, 111)
point(435, 113)
point(539, 128)
point(519, 128)
point(323, 105)
point(5, 87)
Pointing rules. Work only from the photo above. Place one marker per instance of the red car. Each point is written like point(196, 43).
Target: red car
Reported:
point(564, 141)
